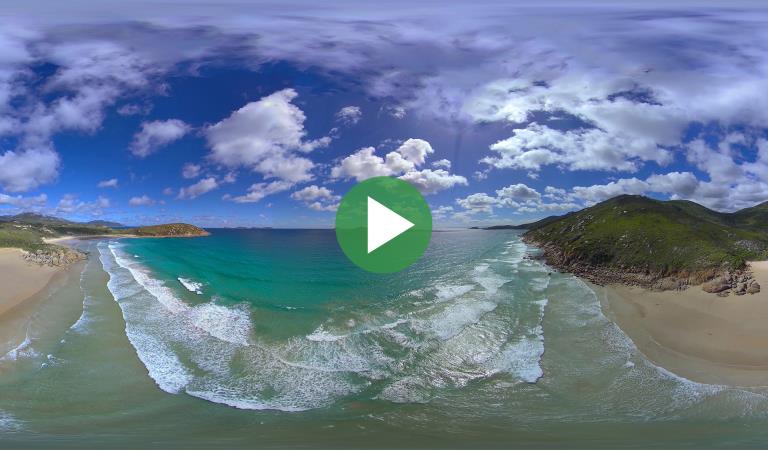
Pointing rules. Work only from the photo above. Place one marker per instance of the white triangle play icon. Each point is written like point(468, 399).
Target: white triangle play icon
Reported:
point(383, 225)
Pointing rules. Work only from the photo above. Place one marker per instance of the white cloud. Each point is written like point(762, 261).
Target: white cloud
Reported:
point(24, 170)
point(191, 170)
point(442, 163)
point(600, 192)
point(132, 109)
point(144, 200)
point(157, 134)
point(537, 145)
point(69, 204)
point(397, 112)
point(517, 193)
point(430, 181)
point(260, 190)
point(111, 183)
point(266, 136)
point(314, 192)
point(519, 197)
point(402, 162)
point(349, 115)
point(363, 165)
point(317, 198)
point(196, 190)
point(21, 202)
point(168, 191)
point(478, 203)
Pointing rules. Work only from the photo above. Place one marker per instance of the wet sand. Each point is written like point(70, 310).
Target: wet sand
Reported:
point(699, 336)
point(20, 279)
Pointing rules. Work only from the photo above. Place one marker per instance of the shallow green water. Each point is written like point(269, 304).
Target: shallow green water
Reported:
point(271, 338)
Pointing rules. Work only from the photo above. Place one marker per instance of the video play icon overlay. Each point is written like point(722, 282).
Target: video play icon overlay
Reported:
point(383, 225)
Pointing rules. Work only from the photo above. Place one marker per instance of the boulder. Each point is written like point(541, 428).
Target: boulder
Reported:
point(716, 285)
point(753, 288)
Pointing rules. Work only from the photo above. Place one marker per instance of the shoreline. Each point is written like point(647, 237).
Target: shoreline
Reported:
point(21, 280)
point(694, 334)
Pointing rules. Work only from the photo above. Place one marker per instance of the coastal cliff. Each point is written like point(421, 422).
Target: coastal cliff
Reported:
point(654, 244)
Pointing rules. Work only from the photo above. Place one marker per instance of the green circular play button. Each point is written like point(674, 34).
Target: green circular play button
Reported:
point(383, 224)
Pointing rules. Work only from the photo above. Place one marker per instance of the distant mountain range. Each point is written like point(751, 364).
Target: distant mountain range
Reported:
point(660, 244)
point(34, 218)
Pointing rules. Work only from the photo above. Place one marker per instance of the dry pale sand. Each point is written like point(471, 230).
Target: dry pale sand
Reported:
point(700, 336)
point(20, 280)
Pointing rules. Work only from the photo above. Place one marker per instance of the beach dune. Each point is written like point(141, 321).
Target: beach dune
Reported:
point(700, 336)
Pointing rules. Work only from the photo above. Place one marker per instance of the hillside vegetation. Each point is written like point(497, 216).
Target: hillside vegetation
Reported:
point(169, 230)
point(661, 244)
point(27, 231)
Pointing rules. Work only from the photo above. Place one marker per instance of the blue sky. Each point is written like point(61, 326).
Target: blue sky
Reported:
point(265, 114)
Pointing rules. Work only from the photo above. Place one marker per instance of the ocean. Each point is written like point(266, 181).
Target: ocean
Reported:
point(272, 339)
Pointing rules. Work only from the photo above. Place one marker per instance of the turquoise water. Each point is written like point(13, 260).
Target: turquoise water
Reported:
point(271, 338)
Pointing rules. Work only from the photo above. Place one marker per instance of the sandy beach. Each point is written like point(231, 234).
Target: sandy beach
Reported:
point(700, 336)
point(20, 280)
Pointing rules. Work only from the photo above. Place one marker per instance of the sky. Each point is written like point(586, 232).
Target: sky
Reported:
point(234, 113)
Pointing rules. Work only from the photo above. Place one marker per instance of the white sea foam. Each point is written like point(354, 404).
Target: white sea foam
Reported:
point(23, 350)
point(226, 323)
point(192, 286)
point(322, 335)
point(8, 422)
point(488, 279)
point(450, 320)
point(450, 291)
point(223, 323)
point(209, 351)
point(295, 375)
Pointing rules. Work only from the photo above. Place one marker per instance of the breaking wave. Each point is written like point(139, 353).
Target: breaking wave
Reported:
point(469, 327)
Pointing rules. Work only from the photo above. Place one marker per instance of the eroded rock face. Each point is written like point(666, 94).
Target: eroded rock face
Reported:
point(55, 256)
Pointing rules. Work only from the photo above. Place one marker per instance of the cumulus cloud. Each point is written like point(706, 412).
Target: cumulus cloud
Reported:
point(157, 134)
point(266, 136)
point(349, 115)
point(597, 83)
point(191, 170)
point(519, 197)
point(20, 202)
point(442, 163)
point(478, 203)
point(430, 181)
point(196, 190)
point(402, 162)
point(536, 146)
point(111, 183)
point(317, 198)
point(70, 204)
point(24, 170)
point(260, 190)
point(143, 200)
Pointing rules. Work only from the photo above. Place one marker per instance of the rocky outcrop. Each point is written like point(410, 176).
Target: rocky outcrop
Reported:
point(722, 282)
point(54, 256)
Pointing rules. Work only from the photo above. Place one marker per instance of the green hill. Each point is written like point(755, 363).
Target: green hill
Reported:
point(28, 232)
point(169, 230)
point(661, 244)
